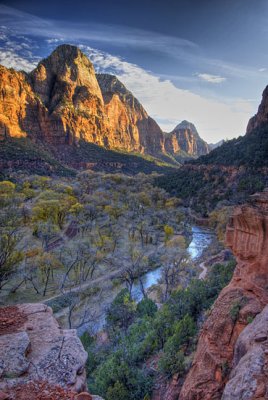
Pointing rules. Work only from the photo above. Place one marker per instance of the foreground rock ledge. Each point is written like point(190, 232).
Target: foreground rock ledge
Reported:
point(36, 355)
point(232, 347)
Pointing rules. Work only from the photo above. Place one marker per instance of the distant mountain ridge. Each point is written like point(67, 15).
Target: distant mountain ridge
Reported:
point(229, 173)
point(185, 138)
point(62, 102)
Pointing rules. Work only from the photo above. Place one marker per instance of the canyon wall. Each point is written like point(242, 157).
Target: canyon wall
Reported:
point(63, 101)
point(261, 117)
point(228, 338)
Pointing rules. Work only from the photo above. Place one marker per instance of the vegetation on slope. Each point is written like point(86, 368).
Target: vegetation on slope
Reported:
point(62, 160)
point(145, 343)
point(226, 176)
point(26, 156)
point(250, 150)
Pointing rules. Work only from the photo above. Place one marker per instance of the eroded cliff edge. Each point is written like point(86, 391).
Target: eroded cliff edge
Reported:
point(231, 333)
point(38, 359)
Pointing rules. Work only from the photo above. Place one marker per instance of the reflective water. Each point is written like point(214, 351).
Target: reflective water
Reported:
point(200, 240)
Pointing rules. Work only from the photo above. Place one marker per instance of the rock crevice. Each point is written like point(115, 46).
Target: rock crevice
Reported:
point(39, 351)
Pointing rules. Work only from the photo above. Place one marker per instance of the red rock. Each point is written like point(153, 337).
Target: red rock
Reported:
point(247, 236)
point(3, 396)
point(61, 102)
point(83, 396)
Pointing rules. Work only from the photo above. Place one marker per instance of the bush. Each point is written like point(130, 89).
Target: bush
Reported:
point(146, 307)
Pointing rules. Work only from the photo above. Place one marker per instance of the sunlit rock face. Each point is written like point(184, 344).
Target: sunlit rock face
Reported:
point(217, 354)
point(66, 84)
point(61, 102)
point(186, 138)
point(130, 125)
point(21, 112)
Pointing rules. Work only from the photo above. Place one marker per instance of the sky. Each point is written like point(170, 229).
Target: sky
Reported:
point(200, 60)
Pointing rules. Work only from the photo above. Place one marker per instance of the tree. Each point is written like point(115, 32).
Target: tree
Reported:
point(10, 257)
point(54, 207)
point(121, 312)
point(169, 232)
point(47, 263)
point(117, 392)
point(174, 261)
point(7, 191)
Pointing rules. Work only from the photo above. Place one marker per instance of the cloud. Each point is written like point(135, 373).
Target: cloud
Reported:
point(169, 105)
point(10, 59)
point(180, 49)
point(262, 69)
point(54, 40)
point(211, 78)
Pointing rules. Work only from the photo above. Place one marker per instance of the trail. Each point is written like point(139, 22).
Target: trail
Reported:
point(203, 274)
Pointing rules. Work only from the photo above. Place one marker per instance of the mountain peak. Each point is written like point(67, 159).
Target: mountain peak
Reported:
point(186, 125)
point(185, 137)
point(66, 50)
point(66, 54)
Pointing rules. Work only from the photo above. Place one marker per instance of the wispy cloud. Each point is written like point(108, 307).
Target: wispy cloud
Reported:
point(211, 78)
point(179, 49)
point(214, 118)
point(169, 105)
point(11, 59)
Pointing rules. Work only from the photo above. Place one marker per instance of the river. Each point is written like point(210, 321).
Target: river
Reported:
point(201, 238)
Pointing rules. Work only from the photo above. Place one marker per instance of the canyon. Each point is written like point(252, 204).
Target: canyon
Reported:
point(63, 102)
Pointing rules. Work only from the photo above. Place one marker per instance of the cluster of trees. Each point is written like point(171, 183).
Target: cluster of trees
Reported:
point(205, 188)
point(123, 367)
point(250, 150)
point(205, 183)
point(58, 234)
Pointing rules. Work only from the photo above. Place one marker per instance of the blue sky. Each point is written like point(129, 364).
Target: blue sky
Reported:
point(205, 60)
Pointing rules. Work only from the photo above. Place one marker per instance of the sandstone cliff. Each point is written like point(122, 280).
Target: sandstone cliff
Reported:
point(132, 128)
point(262, 115)
point(38, 360)
point(221, 346)
point(61, 102)
point(185, 138)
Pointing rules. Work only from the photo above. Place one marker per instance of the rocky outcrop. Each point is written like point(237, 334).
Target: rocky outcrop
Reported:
point(249, 376)
point(238, 303)
point(62, 102)
point(66, 84)
point(37, 355)
point(261, 118)
point(132, 128)
point(185, 138)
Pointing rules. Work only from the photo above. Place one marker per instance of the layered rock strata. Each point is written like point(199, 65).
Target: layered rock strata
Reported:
point(237, 305)
point(62, 101)
point(185, 137)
